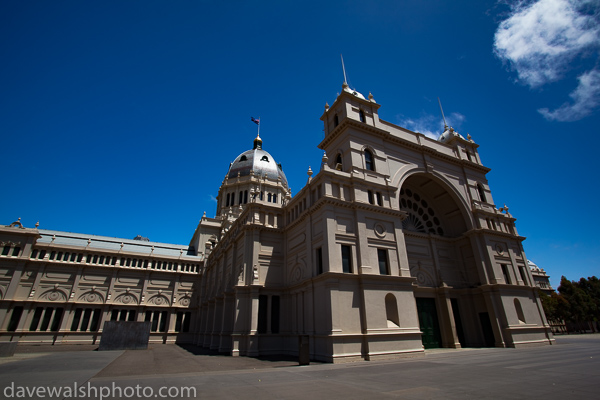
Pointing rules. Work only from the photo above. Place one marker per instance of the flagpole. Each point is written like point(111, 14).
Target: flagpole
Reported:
point(258, 134)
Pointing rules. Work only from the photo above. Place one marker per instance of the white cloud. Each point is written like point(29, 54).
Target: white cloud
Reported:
point(213, 198)
point(541, 38)
point(430, 125)
point(586, 97)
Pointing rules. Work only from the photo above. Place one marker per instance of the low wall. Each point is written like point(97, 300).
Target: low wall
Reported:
point(125, 335)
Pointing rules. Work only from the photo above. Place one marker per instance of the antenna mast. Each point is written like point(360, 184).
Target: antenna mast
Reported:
point(442, 110)
point(344, 69)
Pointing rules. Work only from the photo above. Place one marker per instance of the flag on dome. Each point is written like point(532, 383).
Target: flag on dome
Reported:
point(255, 120)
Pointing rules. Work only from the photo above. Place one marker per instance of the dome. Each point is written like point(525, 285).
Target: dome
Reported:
point(259, 161)
point(532, 265)
point(346, 88)
point(448, 134)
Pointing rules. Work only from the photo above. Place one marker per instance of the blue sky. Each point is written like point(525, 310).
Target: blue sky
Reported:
point(120, 118)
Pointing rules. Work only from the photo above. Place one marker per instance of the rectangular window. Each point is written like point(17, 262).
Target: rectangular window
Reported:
point(379, 199)
point(46, 319)
point(16, 251)
point(523, 275)
point(505, 273)
point(34, 253)
point(15, 318)
point(95, 320)
point(187, 318)
point(275, 314)
point(6, 250)
point(370, 196)
point(85, 321)
point(163, 321)
point(262, 313)
point(155, 320)
point(319, 261)
point(56, 320)
point(346, 259)
point(178, 321)
point(36, 319)
point(76, 319)
point(383, 262)
point(114, 316)
point(42, 254)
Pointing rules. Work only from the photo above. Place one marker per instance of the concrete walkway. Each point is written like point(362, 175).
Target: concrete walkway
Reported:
point(570, 369)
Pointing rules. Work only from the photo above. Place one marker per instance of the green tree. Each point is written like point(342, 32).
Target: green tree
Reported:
point(582, 299)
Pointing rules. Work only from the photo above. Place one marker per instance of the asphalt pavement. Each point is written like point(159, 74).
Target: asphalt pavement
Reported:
point(570, 369)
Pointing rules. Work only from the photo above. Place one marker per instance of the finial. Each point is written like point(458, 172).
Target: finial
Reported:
point(326, 106)
point(371, 98)
point(204, 215)
point(309, 172)
point(258, 142)
point(37, 224)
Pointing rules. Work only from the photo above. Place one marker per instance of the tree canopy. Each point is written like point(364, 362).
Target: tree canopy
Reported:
point(576, 301)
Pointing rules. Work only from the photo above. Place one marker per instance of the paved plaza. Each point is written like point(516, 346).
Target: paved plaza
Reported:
point(568, 370)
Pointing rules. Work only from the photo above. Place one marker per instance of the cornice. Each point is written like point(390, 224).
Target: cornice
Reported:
point(491, 232)
point(348, 122)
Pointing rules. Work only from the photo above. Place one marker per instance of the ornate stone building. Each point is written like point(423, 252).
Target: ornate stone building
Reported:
point(395, 245)
point(540, 277)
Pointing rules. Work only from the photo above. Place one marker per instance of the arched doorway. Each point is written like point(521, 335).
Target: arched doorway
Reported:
point(441, 258)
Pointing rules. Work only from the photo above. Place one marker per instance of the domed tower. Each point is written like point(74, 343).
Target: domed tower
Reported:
point(253, 177)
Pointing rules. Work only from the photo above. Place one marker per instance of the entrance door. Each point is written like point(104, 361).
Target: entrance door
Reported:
point(486, 328)
point(428, 321)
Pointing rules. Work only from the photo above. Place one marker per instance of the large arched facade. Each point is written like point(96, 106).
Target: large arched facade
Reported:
point(441, 259)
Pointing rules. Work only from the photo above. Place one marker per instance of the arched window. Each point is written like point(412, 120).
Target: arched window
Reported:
point(241, 197)
point(227, 202)
point(269, 197)
point(369, 160)
point(519, 309)
point(245, 196)
point(275, 198)
point(481, 193)
point(391, 311)
point(338, 162)
point(361, 115)
point(336, 121)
